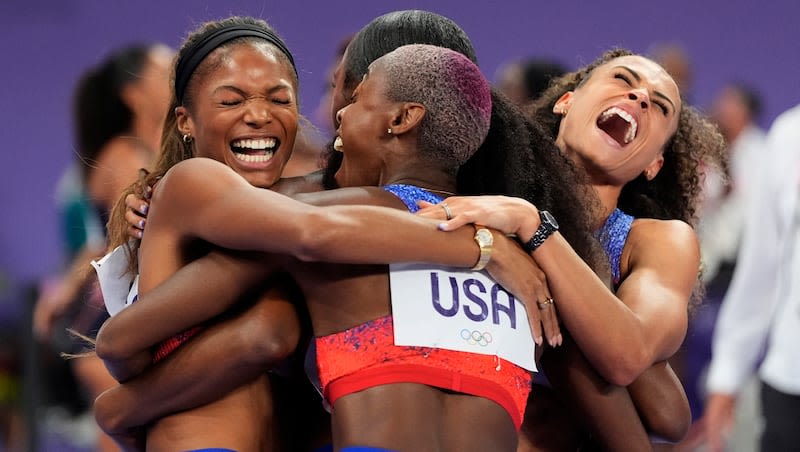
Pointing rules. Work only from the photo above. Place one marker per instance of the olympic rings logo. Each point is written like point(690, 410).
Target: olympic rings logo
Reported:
point(476, 337)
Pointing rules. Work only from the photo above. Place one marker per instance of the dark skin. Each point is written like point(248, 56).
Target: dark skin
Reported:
point(325, 292)
point(657, 407)
point(601, 407)
point(663, 414)
point(644, 320)
point(335, 296)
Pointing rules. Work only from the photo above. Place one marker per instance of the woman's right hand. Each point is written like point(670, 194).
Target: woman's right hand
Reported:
point(136, 213)
point(516, 271)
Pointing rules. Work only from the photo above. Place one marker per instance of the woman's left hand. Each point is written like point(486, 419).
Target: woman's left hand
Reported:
point(504, 213)
point(517, 272)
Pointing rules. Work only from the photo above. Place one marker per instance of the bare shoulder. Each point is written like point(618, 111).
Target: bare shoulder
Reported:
point(670, 240)
point(199, 169)
point(192, 180)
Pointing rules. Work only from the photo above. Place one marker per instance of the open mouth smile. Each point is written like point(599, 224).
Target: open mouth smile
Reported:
point(254, 150)
point(619, 125)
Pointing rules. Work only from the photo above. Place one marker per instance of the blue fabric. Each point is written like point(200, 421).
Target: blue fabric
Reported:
point(613, 235)
point(410, 194)
point(212, 449)
point(364, 449)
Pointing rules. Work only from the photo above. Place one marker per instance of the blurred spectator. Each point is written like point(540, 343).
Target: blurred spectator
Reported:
point(760, 314)
point(119, 107)
point(722, 216)
point(523, 81)
point(675, 60)
point(735, 110)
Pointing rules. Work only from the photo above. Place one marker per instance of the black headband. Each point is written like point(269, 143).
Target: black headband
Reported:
point(194, 55)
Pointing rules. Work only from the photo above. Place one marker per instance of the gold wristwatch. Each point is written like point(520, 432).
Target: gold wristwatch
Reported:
point(484, 239)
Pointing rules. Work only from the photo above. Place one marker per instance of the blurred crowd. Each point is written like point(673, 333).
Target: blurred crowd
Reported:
point(118, 109)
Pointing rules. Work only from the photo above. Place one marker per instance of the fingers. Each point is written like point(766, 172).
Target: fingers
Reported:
point(135, 233)
point(518, 273)
point(136, 213)
point(136, 224)
point(536, 324)
point(137, 204)
point(545, 305)
point(552, 330)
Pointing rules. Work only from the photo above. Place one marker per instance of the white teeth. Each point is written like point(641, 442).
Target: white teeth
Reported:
point(337, 144)
point(260, 144)
point(633, 125)
point(631, 132)
point(254, 158)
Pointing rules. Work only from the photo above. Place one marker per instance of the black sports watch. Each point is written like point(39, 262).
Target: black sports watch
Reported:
point(548, 226)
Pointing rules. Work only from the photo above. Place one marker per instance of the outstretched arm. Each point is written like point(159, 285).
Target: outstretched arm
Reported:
point(656, 393)
point(270, 222)
point(641, 323)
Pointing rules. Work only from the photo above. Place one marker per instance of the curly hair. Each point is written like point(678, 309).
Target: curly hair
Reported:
point(675, 191)
point(674, 194)
point(519, 158)
point(174, 148)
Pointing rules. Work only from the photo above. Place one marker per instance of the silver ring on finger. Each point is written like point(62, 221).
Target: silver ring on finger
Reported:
point(447, 212)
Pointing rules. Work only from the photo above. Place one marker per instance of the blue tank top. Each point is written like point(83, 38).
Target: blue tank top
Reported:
point(410, 194)
point(613, 235)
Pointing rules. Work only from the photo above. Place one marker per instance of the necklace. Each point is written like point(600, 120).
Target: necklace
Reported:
point(441, 192)
point(432, 190)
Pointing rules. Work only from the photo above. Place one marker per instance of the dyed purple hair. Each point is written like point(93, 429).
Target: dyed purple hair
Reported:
point(455, 94)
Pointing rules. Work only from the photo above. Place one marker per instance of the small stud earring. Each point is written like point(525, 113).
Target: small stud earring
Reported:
point(389, 131)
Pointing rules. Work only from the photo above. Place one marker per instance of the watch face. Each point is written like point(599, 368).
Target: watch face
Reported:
point(547, 217)
point(484, 236)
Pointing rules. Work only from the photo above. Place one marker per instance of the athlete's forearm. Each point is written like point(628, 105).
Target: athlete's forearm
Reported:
point(605, 410)
point(225, 210)
point(661, 401)
point(214, 362)
point(196, 293)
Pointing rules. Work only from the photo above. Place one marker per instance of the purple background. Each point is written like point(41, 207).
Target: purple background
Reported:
point(47, 43)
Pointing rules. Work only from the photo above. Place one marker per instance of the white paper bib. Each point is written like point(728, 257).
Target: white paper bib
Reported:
point(443, 307)
point(119, 287)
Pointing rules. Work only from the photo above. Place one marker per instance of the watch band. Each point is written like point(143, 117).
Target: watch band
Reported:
point(484, 238)
point(547, 227)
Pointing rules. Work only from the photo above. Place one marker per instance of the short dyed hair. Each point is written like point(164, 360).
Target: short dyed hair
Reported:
point(454, 92)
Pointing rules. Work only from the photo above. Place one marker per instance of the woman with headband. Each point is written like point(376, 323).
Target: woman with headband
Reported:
point(248, 63)
point(238, 81)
